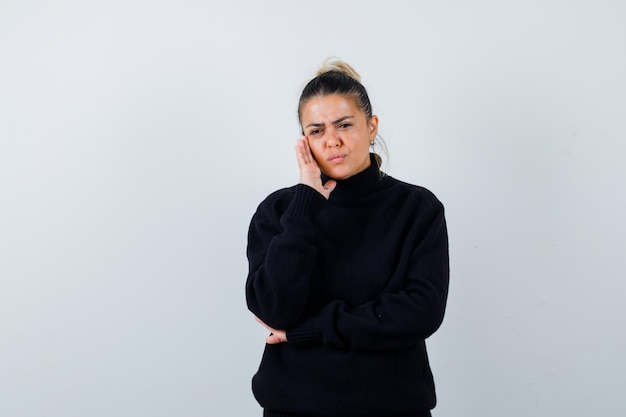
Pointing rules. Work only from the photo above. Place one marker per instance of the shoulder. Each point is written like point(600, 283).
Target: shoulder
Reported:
point(415, 194)
point(277, 201)
point(279, 195)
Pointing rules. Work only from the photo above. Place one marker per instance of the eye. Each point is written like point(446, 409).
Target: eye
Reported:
point(345, 125)
point(315, 132)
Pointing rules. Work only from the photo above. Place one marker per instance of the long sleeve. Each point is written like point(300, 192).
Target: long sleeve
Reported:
point(399, 317)
point(281, 254)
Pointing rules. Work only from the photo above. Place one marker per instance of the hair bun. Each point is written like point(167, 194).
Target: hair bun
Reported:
point(338, 66)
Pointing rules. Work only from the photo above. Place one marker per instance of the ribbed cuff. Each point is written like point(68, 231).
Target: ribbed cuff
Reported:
point(305, 206)
point(306, 333)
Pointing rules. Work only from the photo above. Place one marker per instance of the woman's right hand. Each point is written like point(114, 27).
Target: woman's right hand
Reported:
point(310, 173)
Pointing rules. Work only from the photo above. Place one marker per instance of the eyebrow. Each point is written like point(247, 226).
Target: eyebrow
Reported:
point(344, 118)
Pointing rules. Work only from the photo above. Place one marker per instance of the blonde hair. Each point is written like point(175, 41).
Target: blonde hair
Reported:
point(333, 64)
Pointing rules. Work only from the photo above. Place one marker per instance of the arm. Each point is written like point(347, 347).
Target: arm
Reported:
point(281, 256)
point(393, 320)
point(280, 250)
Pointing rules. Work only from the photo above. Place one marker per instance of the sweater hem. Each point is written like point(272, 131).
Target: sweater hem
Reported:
point(270, 413)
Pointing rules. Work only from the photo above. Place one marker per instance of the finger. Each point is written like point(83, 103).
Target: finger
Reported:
point(307, 151)
point(275, 338)
point(305, 142)
point(330, 186)
point(301, 153)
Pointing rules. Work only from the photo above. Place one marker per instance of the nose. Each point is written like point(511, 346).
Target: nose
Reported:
point(333, 141)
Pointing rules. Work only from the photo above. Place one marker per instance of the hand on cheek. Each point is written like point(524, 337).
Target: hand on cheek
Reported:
point(310, 173)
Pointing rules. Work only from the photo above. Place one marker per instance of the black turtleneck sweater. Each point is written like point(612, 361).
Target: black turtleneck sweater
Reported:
point(358, 281)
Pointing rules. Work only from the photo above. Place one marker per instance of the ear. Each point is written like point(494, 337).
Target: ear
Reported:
point(373, 127)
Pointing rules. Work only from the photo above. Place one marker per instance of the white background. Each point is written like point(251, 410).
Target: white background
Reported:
point(138, 137)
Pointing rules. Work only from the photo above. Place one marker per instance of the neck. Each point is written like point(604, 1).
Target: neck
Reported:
point(358, 185)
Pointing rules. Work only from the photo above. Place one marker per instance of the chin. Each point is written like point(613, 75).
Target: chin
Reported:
point(338, 174)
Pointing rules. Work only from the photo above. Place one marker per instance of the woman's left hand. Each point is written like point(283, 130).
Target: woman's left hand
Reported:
point(277, 336)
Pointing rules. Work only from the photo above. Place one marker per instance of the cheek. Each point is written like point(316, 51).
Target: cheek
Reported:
point(315, 143)
point(316, 147)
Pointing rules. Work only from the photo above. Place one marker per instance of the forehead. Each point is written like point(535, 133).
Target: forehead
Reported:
point(329, 108)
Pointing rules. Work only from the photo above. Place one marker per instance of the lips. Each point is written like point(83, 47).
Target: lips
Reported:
point(336, 158)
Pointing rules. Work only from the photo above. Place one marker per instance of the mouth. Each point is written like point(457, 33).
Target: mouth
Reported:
point(336, 158)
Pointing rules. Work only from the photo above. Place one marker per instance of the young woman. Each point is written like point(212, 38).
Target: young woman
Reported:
point(348, 270)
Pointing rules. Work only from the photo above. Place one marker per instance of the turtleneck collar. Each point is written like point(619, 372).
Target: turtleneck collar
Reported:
point(358, 185)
